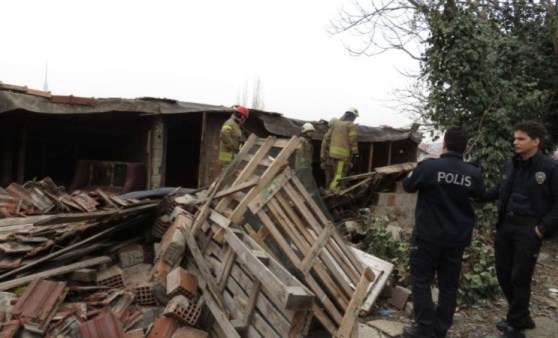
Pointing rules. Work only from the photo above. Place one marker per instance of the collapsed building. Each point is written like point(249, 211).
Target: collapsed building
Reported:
point(146, 143)
point(247, 253)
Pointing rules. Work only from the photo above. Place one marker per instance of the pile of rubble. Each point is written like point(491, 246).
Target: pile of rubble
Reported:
point(252, 256)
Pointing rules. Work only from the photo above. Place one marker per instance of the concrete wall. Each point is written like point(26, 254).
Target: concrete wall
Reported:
point(397, 206)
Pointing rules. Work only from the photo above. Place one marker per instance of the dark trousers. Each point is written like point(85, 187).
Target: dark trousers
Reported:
point(427, 260)
point(517, 248)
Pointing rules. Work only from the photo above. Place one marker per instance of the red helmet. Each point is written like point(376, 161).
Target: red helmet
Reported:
point(242, 111)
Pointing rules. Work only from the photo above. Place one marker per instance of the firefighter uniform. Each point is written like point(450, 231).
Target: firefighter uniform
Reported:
point(338, 148)
point(304, 154)
point(231, 139)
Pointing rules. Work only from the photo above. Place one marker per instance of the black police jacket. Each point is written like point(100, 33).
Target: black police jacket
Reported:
point(542, 190)
point(445, 186)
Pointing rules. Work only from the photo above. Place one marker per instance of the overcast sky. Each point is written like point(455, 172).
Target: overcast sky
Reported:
point(200, 51)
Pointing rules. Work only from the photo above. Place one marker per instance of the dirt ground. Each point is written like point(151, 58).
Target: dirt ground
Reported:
point(480, 321)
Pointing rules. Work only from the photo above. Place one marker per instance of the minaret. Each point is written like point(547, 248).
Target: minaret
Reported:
point(45, 85)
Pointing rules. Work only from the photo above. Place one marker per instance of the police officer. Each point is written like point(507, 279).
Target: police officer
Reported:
point(527, 211)
point(444, 224)
point(231, 136)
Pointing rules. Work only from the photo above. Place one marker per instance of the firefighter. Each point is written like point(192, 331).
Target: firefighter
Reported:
point(304, 154)
point(339, 148)
point(325, 161)
point(231, 136)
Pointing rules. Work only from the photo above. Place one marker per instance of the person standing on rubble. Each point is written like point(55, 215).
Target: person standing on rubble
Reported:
point(443, 229)
point(306, 150)
point(527, 211)
point(231, 136)
point(325, 162)
point(340, 148)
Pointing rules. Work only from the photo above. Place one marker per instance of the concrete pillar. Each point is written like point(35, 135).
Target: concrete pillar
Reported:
point(158, 150)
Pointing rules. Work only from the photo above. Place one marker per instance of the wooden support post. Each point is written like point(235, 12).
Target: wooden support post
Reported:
point(21, 156)
point(390, 149)
point(158, 152)
point(370, 157)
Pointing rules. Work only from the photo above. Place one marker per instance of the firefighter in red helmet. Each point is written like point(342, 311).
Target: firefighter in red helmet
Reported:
point(231, 136)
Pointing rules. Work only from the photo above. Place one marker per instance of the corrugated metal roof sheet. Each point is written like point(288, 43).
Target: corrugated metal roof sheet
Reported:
point(274, 123)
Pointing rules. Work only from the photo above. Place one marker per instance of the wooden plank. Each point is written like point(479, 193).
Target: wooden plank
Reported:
point(219, 219)
point(240, 300)
point(232, 190)
point(316, 249)
point(54, 272)
point(202, 266)
point(280, 320)
point(382, 270)
point(226, 269)
point(289, 297)
point(289, 228)
point(270, 190)
point(353, 187)
point(350, 319)
point(251, 304)
point(60, 252)
point(333, 270)
point(280, 162)
point(334, 251)
point(220, 317)
point(204, 211)
point(283, 244)
point(314, 286)
point(357, 265)
point(248, 170)
point(236, 297)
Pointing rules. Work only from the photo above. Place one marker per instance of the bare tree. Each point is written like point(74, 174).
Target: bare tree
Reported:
point(257, 95)
point(380, 25)
point(242, 96)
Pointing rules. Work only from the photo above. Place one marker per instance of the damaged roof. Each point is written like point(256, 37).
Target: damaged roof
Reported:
point(13, 98)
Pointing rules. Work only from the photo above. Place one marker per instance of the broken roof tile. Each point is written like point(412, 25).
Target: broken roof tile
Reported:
point(87, 101)
point(9, 329)
point(38, 304)
point(105, 325)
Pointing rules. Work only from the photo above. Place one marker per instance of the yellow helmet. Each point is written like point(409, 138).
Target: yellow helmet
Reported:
point(307, 127)
point(353, 111)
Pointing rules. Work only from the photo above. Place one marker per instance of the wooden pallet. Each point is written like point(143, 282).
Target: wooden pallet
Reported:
point(249, 293)
point(262, 194)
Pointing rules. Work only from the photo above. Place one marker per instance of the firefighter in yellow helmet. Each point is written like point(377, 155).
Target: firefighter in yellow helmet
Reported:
point(231, 137)
point(304, 154)
point(339, 147)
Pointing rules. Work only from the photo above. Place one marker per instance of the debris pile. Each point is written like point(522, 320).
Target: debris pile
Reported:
point(253, 255)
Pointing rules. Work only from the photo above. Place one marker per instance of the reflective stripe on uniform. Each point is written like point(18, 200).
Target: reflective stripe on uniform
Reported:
point(225, 156)
point(339, 151)
point(226, 127)
point(338, 175)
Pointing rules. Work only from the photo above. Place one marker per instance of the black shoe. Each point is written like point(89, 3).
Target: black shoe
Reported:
point(415, 332)
point(513, 334)
point(504, 325)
